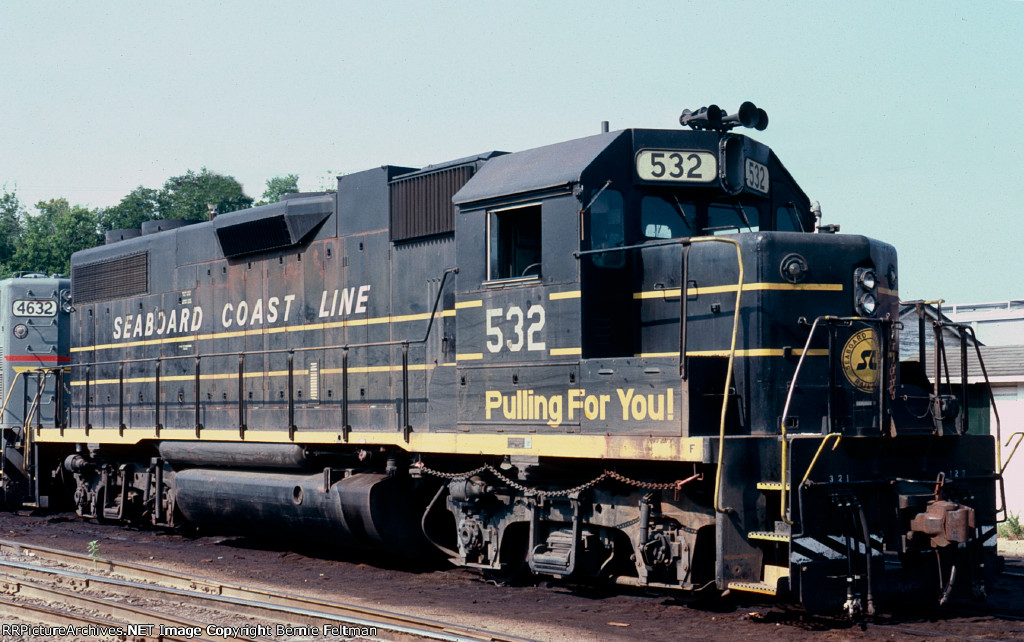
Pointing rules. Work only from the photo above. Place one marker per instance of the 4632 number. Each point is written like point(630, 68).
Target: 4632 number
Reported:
point(35, 308)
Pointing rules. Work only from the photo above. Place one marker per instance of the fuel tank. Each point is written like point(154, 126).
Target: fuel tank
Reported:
point(367, 511)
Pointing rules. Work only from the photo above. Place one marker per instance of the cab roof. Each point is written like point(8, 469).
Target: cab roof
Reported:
point(536, 169)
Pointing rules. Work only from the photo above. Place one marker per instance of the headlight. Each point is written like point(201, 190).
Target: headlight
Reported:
point(865, 291)
point(867, 279)
point(65, 301)
point(20, 331)
point(867, 304)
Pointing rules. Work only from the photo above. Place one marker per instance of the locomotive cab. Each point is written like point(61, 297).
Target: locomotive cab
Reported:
point(34, 341)
point(705, 304)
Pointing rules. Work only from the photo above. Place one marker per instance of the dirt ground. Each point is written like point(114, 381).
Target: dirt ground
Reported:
point(1012, 548)
point(541, 612)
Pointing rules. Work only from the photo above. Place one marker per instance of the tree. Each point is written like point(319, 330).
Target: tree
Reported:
point(278, 187)
point(11, 216)
point(54, 234)
point(140, 205)
point(189, 195)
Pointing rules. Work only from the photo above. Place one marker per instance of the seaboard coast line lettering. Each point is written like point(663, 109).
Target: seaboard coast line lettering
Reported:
point(235, 314)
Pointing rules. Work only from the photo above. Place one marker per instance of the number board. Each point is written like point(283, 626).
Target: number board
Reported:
point(676, 165)
point(35, 308)
point(756, 176)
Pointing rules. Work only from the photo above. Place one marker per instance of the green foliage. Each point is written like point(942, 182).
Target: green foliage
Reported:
point(190, 195)
point(1011, 528)
point(140, 205)
point(12, 215)
point(94, 551)
point(278, 187)
point(53, 235)
point(328, 181)
point(44, 241)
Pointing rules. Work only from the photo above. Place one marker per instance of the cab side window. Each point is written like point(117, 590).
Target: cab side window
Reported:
point(787, 219)
point(607, 229)
point(514, 243)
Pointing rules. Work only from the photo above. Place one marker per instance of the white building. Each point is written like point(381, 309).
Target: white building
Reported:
point(1005, 368)
point(996, 324)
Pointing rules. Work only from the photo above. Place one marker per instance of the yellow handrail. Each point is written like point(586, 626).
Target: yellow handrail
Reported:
point(7, 396)
point(732, 357)
point(27, 427)
point(1019, 436)
point(814, 460)
point(785, 414)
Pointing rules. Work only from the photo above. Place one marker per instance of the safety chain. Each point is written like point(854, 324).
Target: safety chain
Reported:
point(451, 476)
point(891, 357)
point(607, 474)
point(676, 485)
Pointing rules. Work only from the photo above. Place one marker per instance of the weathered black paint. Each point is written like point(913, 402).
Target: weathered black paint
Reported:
point(377, 315)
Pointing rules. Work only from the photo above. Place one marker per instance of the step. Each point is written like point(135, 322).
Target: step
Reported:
point(754, 587)
point(769, 536)
point(770, 585)
point(771, 485)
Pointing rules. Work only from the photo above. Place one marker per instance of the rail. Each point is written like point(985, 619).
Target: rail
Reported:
point(963, 330)
point(290, 353)
point(247, 600)
point(685, 244)
point(784, 435)
point(10, 391)
point(732, 349)
point(33, 411)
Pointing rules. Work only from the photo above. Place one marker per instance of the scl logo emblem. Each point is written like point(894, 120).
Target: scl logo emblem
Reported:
point(860, 360)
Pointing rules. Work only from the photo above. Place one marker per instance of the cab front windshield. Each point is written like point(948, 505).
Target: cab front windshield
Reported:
point(668, 217)
point(664, 215)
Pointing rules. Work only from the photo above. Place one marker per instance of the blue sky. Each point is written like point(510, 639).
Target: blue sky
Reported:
point(901, 118)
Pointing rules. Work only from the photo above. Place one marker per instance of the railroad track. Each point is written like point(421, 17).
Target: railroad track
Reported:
point(45, 575)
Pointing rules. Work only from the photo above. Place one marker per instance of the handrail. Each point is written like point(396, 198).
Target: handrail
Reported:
point(1019, 436)
point(1000, 465)
point(290, 352)
point(340, 346)
point(686, 242)
point(10, 391)
point(821, 447)
point(732, 359)
point(789, 398)
point(33, 409)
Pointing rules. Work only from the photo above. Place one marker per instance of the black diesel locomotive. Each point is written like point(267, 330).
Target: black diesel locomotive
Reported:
point(635, 356)
point(35, 313)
